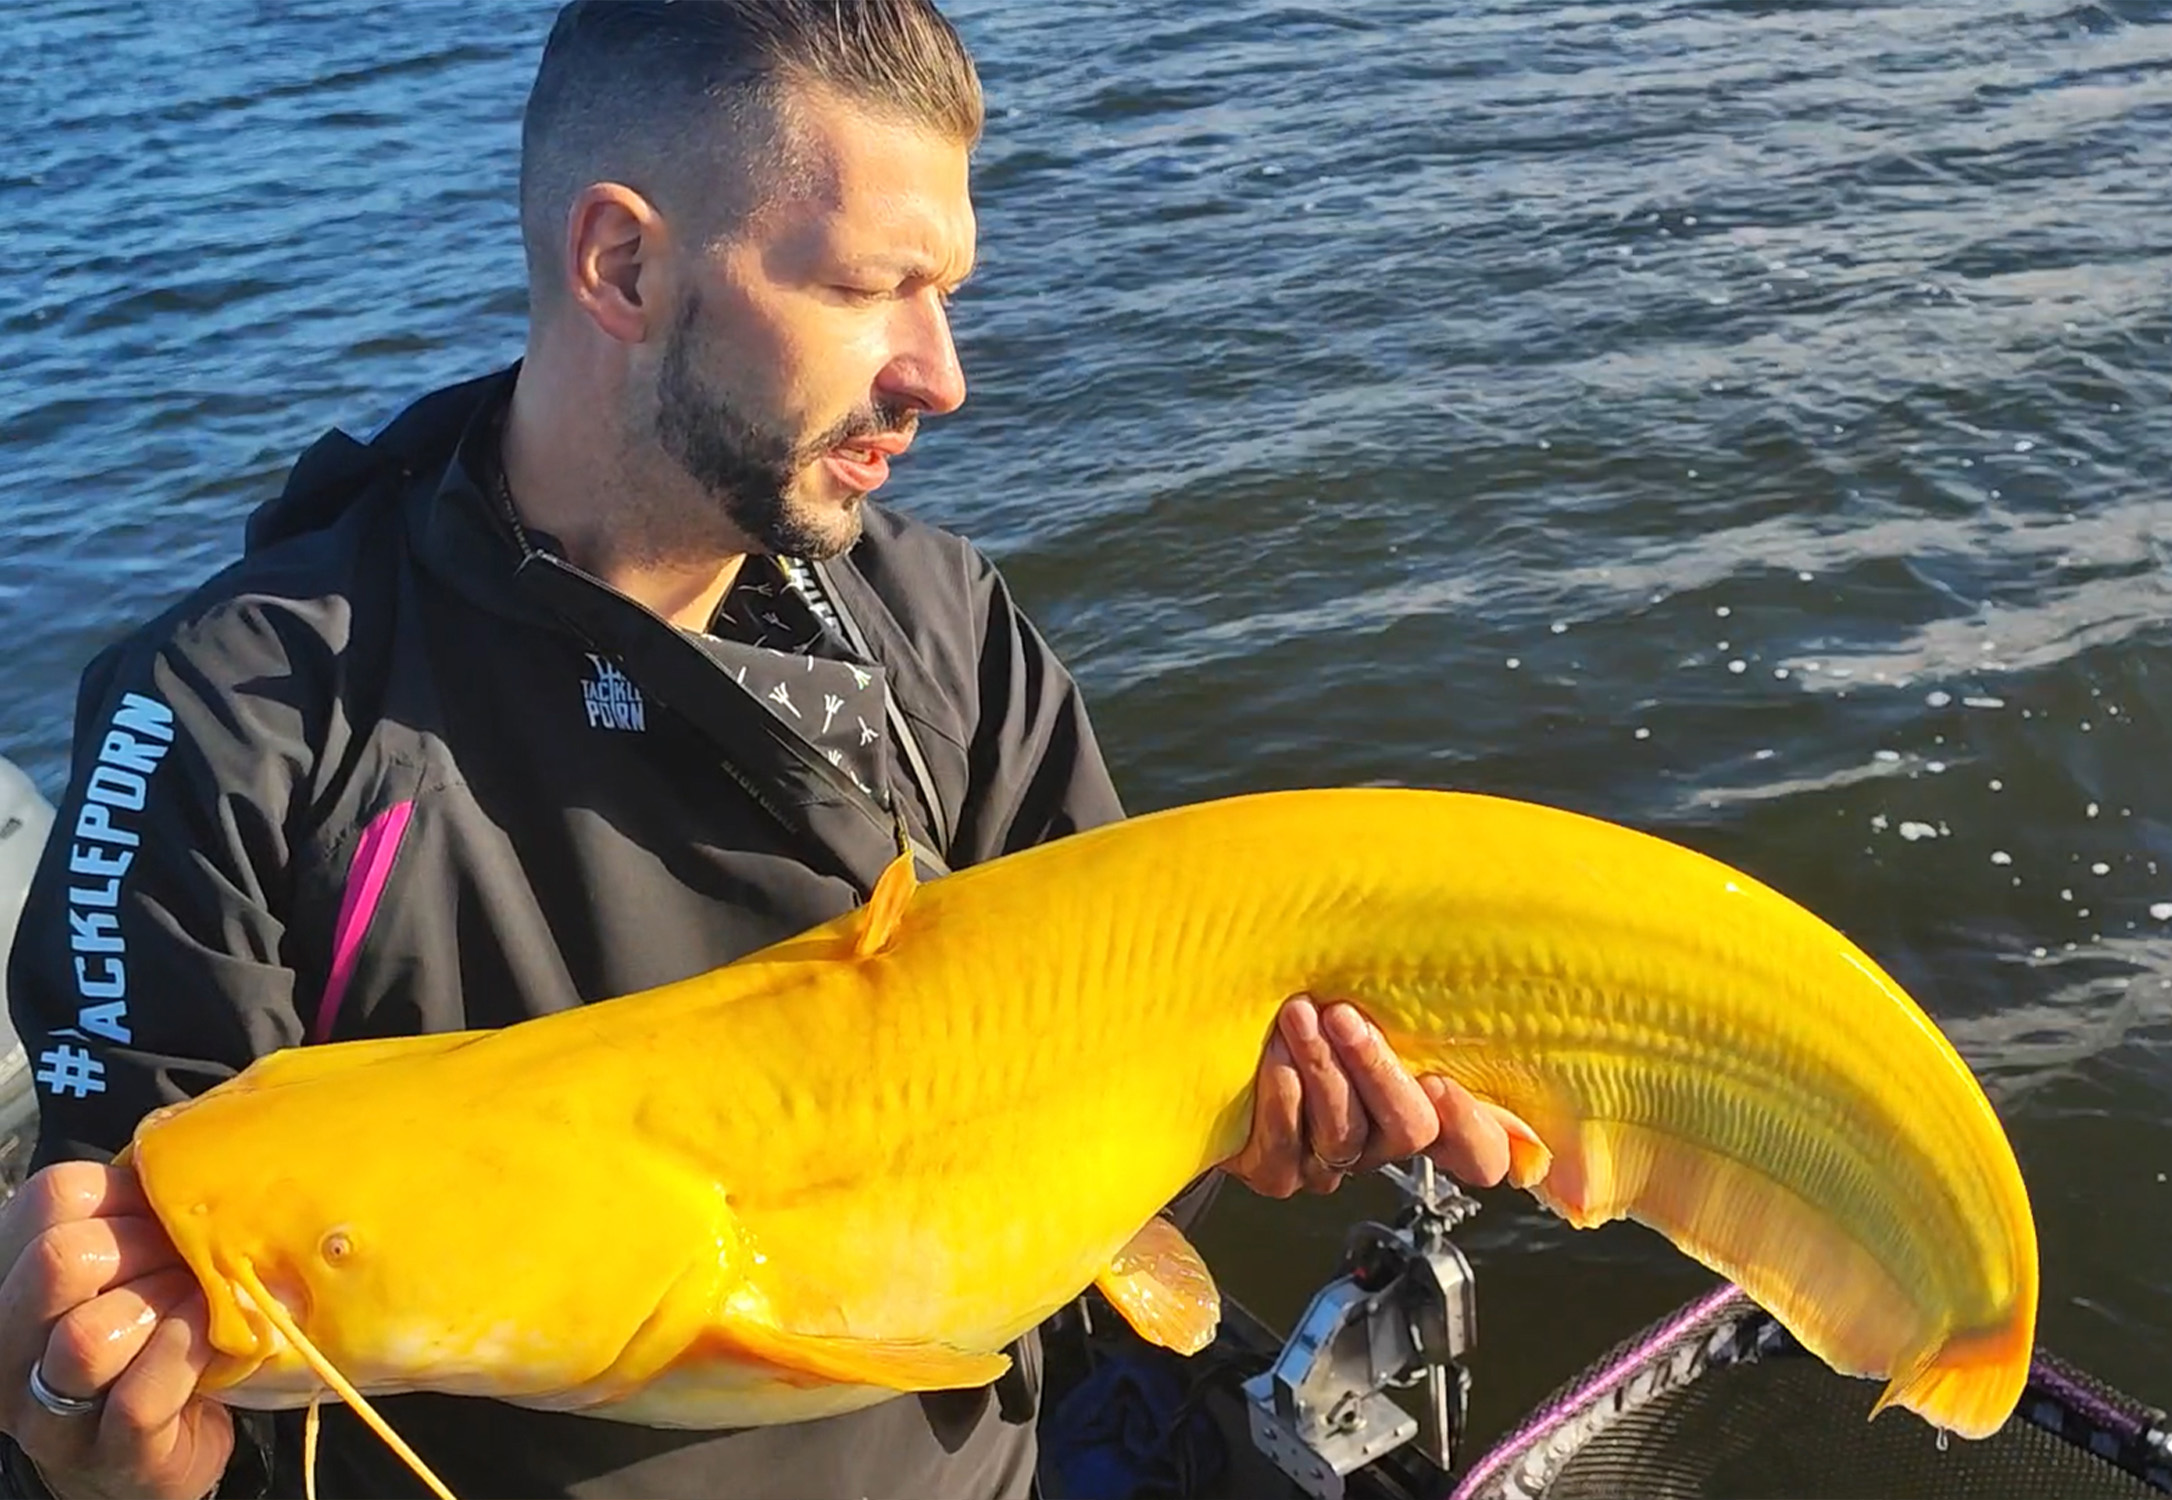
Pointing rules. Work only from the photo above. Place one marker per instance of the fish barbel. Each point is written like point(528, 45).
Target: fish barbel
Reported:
point(862, 1161)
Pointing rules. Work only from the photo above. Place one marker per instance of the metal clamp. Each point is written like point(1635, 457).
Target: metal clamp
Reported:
point(1402, 1313)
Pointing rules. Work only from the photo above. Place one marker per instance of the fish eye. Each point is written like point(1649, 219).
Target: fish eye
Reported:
point(337, 1246)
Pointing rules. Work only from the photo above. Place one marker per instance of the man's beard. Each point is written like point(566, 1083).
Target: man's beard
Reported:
point(748, 470)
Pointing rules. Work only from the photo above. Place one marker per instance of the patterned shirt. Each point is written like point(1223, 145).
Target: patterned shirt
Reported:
point(779, 636)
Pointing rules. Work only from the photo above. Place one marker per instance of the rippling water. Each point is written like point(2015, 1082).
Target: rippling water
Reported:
point(1747, 421)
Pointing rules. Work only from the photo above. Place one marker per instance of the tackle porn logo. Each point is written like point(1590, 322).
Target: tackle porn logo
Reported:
point(108, 834)
point(610, 697)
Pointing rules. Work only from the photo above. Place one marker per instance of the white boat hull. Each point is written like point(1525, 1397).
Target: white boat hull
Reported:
point(26, 820)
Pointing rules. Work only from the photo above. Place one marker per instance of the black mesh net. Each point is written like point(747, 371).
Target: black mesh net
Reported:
point(1718, 1401)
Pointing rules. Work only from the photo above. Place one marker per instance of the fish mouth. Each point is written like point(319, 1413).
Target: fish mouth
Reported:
point(251, 1347)
point(242, 1338)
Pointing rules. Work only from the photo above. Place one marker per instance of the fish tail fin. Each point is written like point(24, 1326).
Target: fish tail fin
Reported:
point(1798, 1262)
point(329, 1374)
point(1969, 1383)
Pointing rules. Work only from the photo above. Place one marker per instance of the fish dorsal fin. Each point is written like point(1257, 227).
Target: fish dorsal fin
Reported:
point(1163, 1288)
point(885, 909)
point(895, 1364)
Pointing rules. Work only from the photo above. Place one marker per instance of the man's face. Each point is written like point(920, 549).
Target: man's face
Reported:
point(808, 344)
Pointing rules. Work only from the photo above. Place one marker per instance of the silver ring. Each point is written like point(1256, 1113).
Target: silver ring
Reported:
point(53, 1401)
point(1339, 1166)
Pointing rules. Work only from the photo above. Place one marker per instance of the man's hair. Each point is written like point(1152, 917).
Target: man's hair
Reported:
point(658, 94)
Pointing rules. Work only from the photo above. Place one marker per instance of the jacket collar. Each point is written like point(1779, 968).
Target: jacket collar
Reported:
point(463, 530)
point(466, 534)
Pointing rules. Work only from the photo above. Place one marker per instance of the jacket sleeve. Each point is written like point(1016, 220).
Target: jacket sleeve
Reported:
point(1036, 771)
point(147, 963)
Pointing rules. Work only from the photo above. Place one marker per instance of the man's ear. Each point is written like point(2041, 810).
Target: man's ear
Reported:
point(615, 259)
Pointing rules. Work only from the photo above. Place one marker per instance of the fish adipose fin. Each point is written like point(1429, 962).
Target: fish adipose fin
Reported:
point(1163, 1288)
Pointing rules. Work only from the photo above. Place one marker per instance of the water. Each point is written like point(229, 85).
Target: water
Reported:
point(1745, 421)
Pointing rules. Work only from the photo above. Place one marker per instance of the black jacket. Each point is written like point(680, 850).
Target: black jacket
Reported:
point(526, 792)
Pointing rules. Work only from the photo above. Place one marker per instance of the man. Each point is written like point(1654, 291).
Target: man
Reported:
point(515, 709)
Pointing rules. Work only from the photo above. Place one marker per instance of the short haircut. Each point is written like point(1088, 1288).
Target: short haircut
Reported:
point(656, 94)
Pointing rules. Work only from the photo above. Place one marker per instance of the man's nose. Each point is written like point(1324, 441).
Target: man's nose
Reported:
point(924, 373)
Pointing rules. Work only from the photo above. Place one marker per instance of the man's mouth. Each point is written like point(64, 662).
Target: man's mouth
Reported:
point(881, 444)
point(864, 463)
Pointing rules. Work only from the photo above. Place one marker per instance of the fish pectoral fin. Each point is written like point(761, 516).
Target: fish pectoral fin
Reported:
point(1163, 1288)
point(896, 1364)
point(885, 909)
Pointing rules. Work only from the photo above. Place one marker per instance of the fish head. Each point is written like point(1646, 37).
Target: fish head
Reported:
point(496, 1262)
point(252, 1221)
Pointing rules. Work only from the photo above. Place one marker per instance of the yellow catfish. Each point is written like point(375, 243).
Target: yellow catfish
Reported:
point(862, 1161)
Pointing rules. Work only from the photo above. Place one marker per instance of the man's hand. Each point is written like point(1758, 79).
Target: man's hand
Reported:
point(1332, 1099)
point(94, 1292)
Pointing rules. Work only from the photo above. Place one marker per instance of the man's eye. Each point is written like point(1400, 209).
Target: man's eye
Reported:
point(862, 296)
